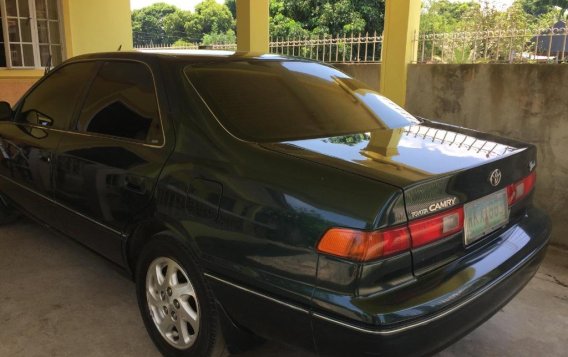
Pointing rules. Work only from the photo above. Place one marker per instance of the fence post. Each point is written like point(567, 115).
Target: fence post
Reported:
point(344, 46)
point(359, 48)
point(564, 43)
point(323, 45)
point(549, 43)
point(375, 39)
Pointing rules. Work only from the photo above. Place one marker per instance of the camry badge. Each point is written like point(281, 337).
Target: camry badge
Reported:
point(495, 177)
point(532, 164)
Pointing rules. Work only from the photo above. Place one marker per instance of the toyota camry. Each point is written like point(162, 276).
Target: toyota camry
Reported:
point(262, 196)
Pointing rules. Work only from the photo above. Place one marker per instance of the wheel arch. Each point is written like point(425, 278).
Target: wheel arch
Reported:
point(238, 339)
point(146, 231)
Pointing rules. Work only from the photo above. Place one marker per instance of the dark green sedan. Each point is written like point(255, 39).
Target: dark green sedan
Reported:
point(261, 196)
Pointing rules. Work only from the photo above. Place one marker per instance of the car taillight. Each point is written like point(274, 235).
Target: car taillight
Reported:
point(516, 191)
point(427, 230)
point(364, 246)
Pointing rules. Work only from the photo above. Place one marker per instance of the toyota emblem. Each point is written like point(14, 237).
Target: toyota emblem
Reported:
point(495, 177)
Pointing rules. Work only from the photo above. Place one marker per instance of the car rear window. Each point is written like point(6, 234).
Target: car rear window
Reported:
point(268, 101)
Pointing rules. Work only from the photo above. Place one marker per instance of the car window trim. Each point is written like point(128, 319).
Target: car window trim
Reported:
point(204, 102)
point(20, 104)
point(118, 138)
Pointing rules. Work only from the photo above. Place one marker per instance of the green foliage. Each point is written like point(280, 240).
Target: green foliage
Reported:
point(183, 43)
point(349, 140)
point(163, 24)
point(326, 17)
point(538, 8)
point(148, 23)
point(477, 31)
point(219, 38)
point(210, 17)
point(232, 6)
point(282, 26)
point(215, 23)
point(174, 24)
point(446, 16)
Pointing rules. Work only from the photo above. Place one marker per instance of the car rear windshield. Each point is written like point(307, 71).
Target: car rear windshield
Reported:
point(269, 100)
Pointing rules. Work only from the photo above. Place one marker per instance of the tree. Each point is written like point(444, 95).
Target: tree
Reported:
point(540, 7)
point(148, 23)
point(232, 6)
point(210, 17)
point(327, 17)
point(446, 16)
point(227, 38)
point(161, 23)
point(282, 26)
point(174, 25)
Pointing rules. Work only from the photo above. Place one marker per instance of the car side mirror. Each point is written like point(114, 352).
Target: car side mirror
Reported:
point(6, 111)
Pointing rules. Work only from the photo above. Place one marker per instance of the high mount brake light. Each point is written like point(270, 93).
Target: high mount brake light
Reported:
point(430, 229)
point(363, 246)
point(519, 190)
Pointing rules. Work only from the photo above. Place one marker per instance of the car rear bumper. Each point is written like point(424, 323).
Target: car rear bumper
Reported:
point(439, 309)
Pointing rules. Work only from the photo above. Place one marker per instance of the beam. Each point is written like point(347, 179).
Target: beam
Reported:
point(252, 26)
point(402, 23)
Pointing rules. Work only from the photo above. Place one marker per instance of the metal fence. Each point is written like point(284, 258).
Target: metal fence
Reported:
point(495, 46)
point(333, 49)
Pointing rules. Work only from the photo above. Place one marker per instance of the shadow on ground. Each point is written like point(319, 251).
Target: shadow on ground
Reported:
point(59, 299)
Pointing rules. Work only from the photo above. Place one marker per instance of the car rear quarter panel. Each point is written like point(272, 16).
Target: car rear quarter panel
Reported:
point(254, 215)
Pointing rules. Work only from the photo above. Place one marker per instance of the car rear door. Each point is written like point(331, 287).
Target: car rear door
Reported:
point(108, 163)
point(27, 143)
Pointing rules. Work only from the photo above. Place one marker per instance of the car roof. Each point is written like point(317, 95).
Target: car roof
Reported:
point(184, 55)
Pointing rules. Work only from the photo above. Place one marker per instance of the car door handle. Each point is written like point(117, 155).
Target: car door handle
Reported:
point(44, 121)
point(135, 185)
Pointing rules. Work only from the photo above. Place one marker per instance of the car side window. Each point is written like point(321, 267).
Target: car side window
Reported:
point(122, 103)
point(53, 101)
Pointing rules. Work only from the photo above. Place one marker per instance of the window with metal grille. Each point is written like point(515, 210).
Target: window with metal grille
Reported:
point(30, 32)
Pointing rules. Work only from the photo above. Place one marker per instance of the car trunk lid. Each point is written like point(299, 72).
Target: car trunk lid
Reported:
point(439, 167)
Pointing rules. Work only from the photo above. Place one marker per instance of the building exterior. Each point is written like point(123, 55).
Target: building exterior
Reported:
point(32, 31)
point(553, 41)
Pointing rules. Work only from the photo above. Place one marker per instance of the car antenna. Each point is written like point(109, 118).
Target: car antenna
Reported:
point(47, 65)
point(119, 48)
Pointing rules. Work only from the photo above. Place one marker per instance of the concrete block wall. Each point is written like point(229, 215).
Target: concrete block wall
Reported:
point(528, 102)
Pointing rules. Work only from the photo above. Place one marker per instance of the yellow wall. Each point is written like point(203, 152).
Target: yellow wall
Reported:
point(96, 25)
point(88, 26)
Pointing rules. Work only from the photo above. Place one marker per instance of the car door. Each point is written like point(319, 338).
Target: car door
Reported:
point(108, 164)
point(28, 143)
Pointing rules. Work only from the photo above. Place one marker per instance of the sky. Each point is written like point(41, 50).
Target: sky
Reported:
point(190, 4)
point(182, 4)
point(500, 4)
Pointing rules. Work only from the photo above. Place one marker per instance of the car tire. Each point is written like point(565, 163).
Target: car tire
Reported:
point(177, 305)
point(8, 214)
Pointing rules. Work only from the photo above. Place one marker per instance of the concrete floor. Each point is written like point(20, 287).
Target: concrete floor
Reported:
point(58, 299)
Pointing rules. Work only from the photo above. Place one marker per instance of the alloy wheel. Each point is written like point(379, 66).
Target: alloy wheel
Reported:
point(172, 302)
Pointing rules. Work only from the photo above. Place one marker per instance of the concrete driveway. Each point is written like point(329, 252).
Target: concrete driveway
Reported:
point(59, 299)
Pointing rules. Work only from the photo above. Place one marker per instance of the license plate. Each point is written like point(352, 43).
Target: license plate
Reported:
point(485, 215)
